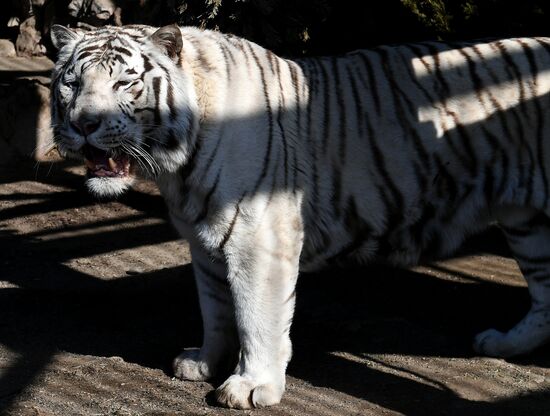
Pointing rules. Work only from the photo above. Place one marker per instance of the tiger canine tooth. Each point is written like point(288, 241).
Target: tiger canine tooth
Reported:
point(112, 164)
point(90, 164)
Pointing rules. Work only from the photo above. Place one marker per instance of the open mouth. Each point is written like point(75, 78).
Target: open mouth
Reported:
point(106, 164)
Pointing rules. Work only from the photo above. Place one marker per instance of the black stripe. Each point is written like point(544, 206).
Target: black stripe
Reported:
point(359, 111)
point(119, 58)
point(445, 185)
point(122, 50)
point(190, 163)
point(273, 63)
point(92, 48)
point(298, 115)
point(313, 81)
point(227, 49)
point(505, 127)
point(84, 55)
point(504, 180)
point(206, 202)
point(185, 172)
point(241, 45)
point(442, 93)
point(478, 86)
point(539, 150)
point(290, 297)
point(497, 149)
point(489, 183)
point(156, 91)
point(229, 231)
point(514, 67)
point(543, 166)
point(342, 137)
point(274, 175)
point(147, 67)
point(372, 87)
point(398, 202)
point(326, 105)
point(212, 157)
point(202, 57)
point(408, 67)
point(422, 179)
point(442, 84)
point(170, 98)
point(139, 93)
point(398, 94)
point(226, 58)
point(269, 120)
point(336, 191)
point(280, 111)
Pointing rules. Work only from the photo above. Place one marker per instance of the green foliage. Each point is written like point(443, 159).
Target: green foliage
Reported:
point(431, 13)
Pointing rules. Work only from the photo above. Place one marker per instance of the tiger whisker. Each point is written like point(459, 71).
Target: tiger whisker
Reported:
point(141, 155)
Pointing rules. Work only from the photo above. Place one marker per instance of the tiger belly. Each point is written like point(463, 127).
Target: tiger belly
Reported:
point(432, 230)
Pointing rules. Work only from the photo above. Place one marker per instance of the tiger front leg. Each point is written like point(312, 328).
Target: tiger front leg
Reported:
point(528, 234)
point(220, 346)
point(263, 258)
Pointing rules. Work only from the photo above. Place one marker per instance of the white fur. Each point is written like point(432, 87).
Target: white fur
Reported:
point(108, 187)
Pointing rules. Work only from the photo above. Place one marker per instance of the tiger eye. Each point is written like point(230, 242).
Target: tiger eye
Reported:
point(74, 84)
point(119, 84)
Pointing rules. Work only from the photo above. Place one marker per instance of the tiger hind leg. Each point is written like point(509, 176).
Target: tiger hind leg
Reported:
point(528, 234)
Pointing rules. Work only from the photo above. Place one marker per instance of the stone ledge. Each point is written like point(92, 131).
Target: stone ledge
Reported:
point(26, 65)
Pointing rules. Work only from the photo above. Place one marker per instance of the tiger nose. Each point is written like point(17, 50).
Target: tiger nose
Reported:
point(86, 125)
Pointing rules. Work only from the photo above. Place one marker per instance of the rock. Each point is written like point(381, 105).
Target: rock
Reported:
point(7, 48)
point(25, 120)
point(28, 41)
point(95, 12)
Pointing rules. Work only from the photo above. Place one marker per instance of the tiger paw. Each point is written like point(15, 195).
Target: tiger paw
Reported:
point(240, 392)
point(189, 366)
point(493, 343)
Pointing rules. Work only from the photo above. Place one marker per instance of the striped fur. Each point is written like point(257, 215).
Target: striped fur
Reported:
point(270, 165)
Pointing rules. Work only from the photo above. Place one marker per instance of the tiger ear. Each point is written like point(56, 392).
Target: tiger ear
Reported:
point(168, 38)
point(62, 36)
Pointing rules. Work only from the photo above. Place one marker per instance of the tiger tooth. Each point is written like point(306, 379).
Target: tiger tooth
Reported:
point(90, 165)
point(112, 164)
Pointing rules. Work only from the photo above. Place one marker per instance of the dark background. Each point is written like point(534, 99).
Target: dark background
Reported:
point(298, 27)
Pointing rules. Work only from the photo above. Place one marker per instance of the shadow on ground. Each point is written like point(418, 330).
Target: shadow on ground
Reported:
point(47, 307)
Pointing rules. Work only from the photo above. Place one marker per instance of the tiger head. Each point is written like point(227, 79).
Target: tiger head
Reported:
point(123, 101)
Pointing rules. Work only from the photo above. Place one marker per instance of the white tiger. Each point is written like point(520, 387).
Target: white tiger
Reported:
point(269, 165)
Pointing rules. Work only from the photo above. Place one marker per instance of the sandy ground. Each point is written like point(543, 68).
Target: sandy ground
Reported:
point(97, 298)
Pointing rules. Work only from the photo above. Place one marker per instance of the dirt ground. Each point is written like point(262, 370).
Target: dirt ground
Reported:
point(97, 298)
